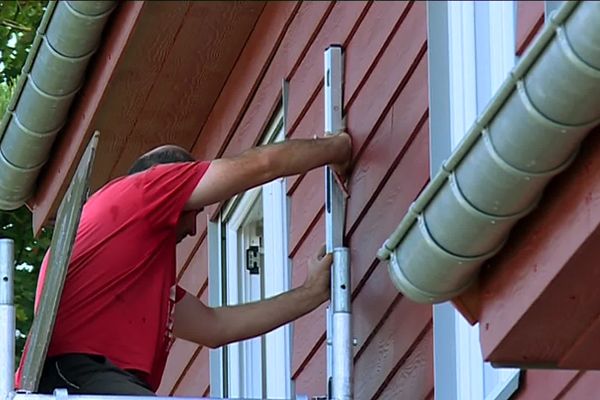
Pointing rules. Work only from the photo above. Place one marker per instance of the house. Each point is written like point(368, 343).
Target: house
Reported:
point(208, 76)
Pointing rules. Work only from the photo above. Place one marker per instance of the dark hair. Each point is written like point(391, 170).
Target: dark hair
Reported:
point(163, 155)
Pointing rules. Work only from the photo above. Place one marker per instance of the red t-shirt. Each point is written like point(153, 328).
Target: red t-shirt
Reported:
point(120, 288)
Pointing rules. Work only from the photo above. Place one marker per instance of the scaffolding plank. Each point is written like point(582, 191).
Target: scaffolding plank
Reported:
point(63, 238)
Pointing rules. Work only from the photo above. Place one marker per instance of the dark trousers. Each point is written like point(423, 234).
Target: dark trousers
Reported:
point(89, 374)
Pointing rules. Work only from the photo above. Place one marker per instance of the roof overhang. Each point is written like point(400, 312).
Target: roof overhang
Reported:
point(154, 80)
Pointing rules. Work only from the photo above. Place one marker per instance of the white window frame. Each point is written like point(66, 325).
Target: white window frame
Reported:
point(244, 360)
point(234, 371)
point(472, 43)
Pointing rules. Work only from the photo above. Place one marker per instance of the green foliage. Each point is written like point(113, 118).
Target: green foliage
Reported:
point(18, 23)
point(6, 92)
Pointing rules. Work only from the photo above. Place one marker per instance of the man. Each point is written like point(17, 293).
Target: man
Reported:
point(120, 305)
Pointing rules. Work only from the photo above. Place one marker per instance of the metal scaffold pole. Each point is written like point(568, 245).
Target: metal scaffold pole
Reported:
point(7, 318)
point(339, 313)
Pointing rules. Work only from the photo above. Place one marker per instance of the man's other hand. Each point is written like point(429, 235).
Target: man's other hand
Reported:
point(318, 279)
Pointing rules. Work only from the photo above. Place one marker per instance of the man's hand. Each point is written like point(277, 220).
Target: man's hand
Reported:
point(344, 167)
point(318, 279)
point(216, 327)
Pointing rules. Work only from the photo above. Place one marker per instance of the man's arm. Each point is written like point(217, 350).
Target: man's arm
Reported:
point(227, 177)
point(215, 327)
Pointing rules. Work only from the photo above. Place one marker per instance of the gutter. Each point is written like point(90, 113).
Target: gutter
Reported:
point(529, 133)
point(66, 39)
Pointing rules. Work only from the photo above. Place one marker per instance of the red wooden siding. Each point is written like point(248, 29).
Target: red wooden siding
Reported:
point(530, 18)
point(559, 385)
point(387, 113)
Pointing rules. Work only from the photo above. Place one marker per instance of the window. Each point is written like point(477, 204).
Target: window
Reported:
point(248, 262)
point(471, 51)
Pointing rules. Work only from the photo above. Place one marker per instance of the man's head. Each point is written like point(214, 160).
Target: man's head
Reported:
point(161, 155)
point(169, 154)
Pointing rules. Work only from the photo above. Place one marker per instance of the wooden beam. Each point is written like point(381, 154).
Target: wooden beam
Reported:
point(63, 239)
point(530, 18)
point(539, 297)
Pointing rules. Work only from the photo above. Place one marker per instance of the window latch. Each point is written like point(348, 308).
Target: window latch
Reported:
point(254, 260)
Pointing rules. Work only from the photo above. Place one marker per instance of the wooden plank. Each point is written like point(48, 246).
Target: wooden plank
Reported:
point(307, 79)
point(396, 196)
point(314, 384)
point(373, 297)
point(63, 239)
point(584, 388)
point(368, 44)
point(414, 379)
point(530, 18)
point(196, 379)
point(579, 353)
point(541, 280)
point(469, 303)
point(196, 276)
point(177, 362)
point(186, 249)
point(71, 143)
point(361, 52)
point(407, 119)
point(391, 346)
point(191, 77)
point(371, 305)
point(566, 310)
point(261, 92)
point(545, 384)
point(132, 81)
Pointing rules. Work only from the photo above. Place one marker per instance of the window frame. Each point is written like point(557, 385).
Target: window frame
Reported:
point(228, 365)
